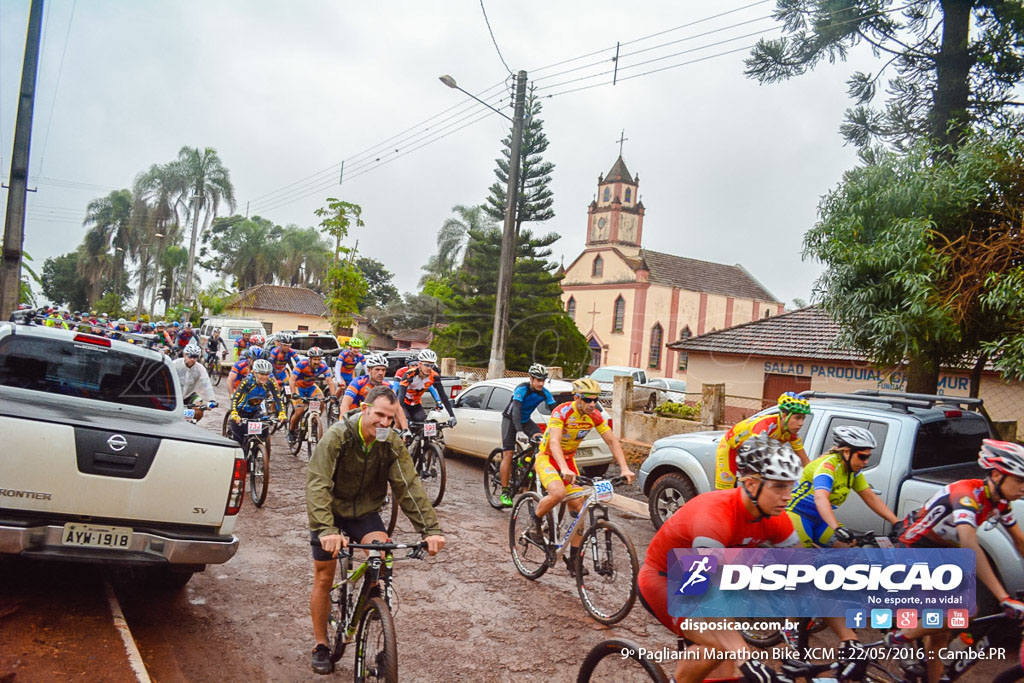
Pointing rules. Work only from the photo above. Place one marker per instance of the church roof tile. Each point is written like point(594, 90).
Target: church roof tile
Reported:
point(702, 276)
point(619, 173)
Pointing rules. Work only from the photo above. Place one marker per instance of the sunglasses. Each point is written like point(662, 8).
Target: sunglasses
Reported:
point(864, 457)
point(586, 399)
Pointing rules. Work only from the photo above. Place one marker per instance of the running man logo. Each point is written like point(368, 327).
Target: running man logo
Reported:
point(697, 579)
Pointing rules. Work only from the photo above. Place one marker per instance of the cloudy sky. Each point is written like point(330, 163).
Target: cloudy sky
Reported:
point(730, 171)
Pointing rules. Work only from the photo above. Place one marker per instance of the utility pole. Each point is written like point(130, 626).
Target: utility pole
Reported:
point(496, 366)
point(197, 200)
point(14, 227)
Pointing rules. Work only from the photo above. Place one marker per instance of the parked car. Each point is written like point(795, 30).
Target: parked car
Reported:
point(99, 464)
point(671, 390)
point(230, 330)
point(924, 442)
point(643, 397)
point(478, 410)
point(304, 341)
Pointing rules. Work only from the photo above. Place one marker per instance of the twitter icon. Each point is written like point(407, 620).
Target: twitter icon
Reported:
point(881, 618)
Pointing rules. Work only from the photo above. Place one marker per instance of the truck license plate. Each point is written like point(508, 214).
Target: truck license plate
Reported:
point(97, 536)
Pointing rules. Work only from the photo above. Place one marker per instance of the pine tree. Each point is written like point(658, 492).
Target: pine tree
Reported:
point(535, 198)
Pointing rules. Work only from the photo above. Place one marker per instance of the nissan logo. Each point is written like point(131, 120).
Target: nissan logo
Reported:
point(117, 443)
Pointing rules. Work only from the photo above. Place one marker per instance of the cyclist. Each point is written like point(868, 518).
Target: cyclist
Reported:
point(303, 385)
point(242, 368)
point(213, 344)
point(347, 361)
point(517, 417)
point(783, 426)
point(418, 381)
point(282, 356)
point(356, 391)
point(163, 338)
point(951, 517)
point(824, 486)
point(242, 343)
point(556, 463)
point(247, 401)
point(748, 516)
point(194, 380)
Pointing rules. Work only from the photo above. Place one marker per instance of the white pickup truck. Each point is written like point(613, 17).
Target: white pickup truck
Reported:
point(97, 463)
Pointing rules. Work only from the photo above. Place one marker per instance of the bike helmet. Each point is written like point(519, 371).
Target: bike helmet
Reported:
point(177, 324)
point(586, 386)
point(256, 339)
point(193, 351)
point(538, 371)
point(793, 403)
point(375, 360)
point(355, 343)
point(856, 438)
point(256, 352)
point(315, 352)
point(427, 356)
point(770, 459)
point(262, 367)
point(285, 338)
point(1005, 456)
point(188, 326)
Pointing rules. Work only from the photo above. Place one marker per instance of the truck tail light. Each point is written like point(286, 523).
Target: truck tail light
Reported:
point(237, 488)
point(954, 413)
point(92, 339)
point(455, 390)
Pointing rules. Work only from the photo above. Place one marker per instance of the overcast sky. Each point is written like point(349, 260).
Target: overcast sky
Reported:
point(730, 171)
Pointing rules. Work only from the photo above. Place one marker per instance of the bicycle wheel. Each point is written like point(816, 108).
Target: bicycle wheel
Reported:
point(433, 473)
point(376, 644)
point(389, 511)
point(336, 618)
point(1011, 675)
point(300, 436)
point(492, 479)
point(332, 413)
point(259, 471)
point(763, 638)
point(214, 372)
point(224, 431)
point(529, 558)
point(617, 659)
point(315, 432)
point(609, 591)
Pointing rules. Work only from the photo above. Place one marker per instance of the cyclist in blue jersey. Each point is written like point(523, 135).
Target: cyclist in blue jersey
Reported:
point(354, 394)
point(247, 401)
point(517, 417)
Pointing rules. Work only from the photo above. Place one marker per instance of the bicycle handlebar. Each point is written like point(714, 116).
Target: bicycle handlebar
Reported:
point(415, 549)
point(589, 481)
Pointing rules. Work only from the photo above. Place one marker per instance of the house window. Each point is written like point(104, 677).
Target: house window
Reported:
point(629, 194)
point(598, 269)
point(766, 313)
point(595, 352)
point(683, 358)
point(656, 338)
point(570, 308)
point(620, 314)
point(607, 193)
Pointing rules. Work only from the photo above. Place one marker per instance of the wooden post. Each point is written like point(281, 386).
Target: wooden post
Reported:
point(555, 372)
point(622, 397)
point(448, 367)
point(712, 410)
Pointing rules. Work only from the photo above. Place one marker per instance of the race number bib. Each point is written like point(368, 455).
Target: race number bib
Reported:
point(314, 406)
point(430, 429)
point(603, 490)
point(255, 427)
point(189, 413)
point(287, 390)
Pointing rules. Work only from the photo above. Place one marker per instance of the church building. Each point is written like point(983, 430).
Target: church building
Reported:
point(629, 302)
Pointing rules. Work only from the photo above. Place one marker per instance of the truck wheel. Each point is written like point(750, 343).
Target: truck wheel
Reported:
point(668, 494)
point(169, 579)
point(595, 470)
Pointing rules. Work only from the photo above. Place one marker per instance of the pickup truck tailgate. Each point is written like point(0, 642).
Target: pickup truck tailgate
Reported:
point(112, 474)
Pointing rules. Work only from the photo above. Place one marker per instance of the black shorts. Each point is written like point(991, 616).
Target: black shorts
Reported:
point(508, 432)
point(355, 529)
point(414, 413)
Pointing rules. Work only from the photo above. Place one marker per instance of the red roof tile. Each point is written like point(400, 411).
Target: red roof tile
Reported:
point(703, 276)
point(284, 299)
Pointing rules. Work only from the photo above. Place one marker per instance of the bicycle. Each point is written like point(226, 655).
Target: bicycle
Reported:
point(213, 368)
point(197, 406)
point(521, 478)
point(365, 616)
point(310, 429)
point(257, 458)
point(427, 450)
point(613, 569)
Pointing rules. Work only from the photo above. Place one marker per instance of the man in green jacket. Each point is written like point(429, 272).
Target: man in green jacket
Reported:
point(346, 483)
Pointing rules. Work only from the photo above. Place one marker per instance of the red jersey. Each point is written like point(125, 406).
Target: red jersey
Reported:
point(717, 519)
point(962, 502)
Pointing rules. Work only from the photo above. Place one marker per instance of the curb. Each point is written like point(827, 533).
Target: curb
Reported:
point(130, 648)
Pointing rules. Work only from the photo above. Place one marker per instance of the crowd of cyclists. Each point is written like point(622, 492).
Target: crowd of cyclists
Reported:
point(767, 491)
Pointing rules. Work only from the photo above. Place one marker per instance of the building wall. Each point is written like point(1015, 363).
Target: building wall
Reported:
point(278, 320)
point(614, 270)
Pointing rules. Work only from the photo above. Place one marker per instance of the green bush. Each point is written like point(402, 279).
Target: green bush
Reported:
point(680, 411)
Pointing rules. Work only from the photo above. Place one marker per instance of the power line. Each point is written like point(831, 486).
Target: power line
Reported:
point(56, 87)
point(493, 39)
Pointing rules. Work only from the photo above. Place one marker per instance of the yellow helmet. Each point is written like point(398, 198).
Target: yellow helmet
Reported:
point(586, 386)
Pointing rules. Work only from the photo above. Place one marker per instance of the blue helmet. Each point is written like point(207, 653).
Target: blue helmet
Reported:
point(256, 352)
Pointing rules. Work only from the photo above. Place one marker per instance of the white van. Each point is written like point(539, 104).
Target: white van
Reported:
point(230, 330)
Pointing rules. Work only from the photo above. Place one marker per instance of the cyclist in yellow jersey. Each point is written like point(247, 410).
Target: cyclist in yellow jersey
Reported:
point(569, 424)
point(782, 426)
point(825, 485)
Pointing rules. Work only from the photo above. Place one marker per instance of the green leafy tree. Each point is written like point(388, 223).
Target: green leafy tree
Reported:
point(535, 199)
point(214, 298)
point(540, 331)
point(248, 250)
point(62, 283)
point(380, 288)
point(898, 277)
point(156, 226)
point(452, 239)
point(953, 63)
point(105, 247)
point(306, 257)
point(346, 285)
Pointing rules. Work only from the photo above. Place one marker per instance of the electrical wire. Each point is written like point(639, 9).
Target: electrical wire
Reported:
point(493, 39)
point(56, 87)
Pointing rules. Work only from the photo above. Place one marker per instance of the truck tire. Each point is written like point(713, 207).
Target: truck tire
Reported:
point(595, 470)
point(169, 579)
point(668, 494)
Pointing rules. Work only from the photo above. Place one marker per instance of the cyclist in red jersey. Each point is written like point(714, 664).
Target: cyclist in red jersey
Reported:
point(355, 393)
point(750, 515)
point(951, 517)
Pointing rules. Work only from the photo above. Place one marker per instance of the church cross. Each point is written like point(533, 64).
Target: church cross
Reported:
point(621, 139)
point(593, 315)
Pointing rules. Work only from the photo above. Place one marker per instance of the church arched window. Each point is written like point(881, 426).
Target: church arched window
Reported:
point(683, 358)
point(598, 269)
point(657, 335)
point(570, 307)
point(629, 194)
point(607, 194)
point(620, 314)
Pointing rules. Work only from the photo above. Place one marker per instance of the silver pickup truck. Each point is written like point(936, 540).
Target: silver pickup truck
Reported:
point(925, 442)
point(97, 463)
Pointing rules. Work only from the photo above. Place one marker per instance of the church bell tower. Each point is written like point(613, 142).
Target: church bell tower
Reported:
point(616, 216)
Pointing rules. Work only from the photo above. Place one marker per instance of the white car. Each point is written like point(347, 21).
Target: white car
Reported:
point(478, 432)
point(672, 390)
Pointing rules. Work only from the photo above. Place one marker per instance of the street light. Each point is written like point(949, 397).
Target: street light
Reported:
point(496, 365)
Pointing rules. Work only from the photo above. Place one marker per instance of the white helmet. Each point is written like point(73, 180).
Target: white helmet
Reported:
point(1005, 456)
point(857, 438)
point(375, 360)
point(773, 460)
point(262, 367)
point(193, 350)
point(427, 356)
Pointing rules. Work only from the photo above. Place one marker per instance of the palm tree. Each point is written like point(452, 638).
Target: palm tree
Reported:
point(173, 271)
point(452, 240)
point(306, 258)
point(105, 246)
point(155, 218)
point(203, 182)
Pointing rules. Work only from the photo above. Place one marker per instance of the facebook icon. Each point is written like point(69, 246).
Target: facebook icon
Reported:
point(856, 618)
